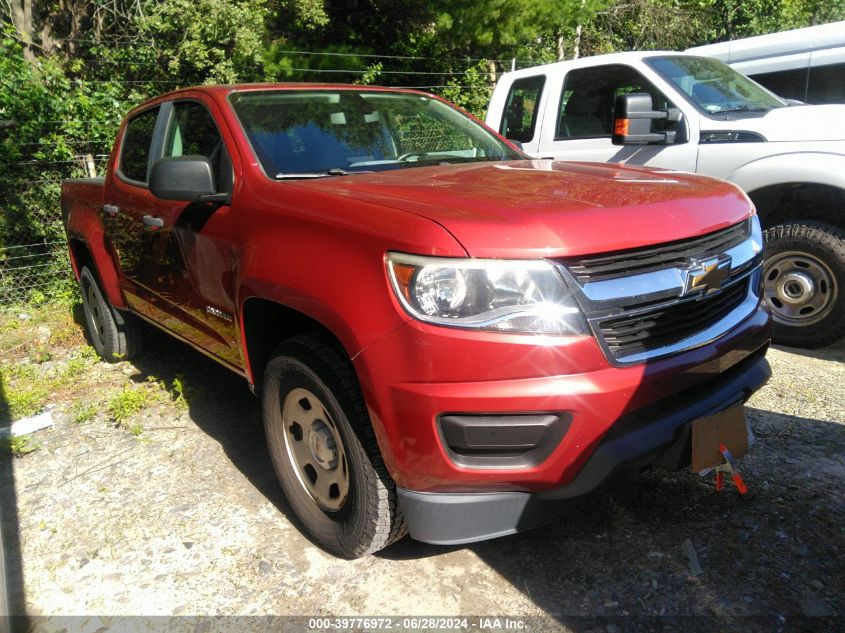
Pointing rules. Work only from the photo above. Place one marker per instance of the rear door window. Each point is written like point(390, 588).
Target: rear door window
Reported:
point(520, 120)
point(135, 150)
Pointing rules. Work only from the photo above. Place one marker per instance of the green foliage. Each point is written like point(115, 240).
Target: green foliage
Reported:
point(208, 41)
point(178, 392)
point(680, 24)
point(18, 445)
point(84, 411)
point(495, 26)
point(472, 91)
point(63, 97)
point(127, 403)
point(26, 400)
point(23, 392)
point(49, 123)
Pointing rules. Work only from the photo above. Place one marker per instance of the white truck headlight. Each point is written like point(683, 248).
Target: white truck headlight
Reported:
point(527, 296)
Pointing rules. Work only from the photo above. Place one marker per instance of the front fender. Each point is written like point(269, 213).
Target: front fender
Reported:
point(825, 168)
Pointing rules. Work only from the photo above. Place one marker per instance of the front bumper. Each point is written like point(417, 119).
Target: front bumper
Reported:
point(658, 434)
point(420, 373)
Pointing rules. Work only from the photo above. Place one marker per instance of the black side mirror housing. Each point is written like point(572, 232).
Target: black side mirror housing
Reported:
point(632, 121)
point(188, 178)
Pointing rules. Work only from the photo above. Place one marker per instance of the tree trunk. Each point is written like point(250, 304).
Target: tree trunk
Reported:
point(576, 49)
point(22, 21)
point(491, 70)
point(561, 51)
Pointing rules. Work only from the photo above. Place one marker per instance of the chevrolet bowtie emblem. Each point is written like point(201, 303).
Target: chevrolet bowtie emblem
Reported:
point(707, 276)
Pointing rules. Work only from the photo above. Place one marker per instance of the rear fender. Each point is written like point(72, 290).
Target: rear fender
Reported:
point(85, 227)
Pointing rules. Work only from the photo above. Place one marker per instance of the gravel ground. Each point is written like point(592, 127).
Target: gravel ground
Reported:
point(175, 511)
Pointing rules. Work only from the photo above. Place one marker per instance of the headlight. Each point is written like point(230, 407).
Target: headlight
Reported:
point(485, 294)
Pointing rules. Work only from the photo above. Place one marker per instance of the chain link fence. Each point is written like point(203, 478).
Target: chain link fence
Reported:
point(34, 265)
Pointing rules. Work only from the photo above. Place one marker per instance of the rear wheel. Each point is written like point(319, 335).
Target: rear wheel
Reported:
point(114, 334)
point(804, 283)
point(324, 450)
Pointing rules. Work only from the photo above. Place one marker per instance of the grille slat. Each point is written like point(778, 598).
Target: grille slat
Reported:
point(640, 260)
point(635, 334)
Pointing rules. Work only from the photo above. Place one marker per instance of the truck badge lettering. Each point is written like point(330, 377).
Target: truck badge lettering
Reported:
point(219, 313)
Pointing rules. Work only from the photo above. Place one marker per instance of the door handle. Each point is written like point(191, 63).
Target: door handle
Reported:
point(153, 222)
point(110, 210)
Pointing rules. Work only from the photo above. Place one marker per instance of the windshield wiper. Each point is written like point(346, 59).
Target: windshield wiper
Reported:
point(744, 108)
point(334, 171)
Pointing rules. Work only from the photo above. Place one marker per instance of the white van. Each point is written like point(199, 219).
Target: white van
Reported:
point(688, 113)
point(803, 64)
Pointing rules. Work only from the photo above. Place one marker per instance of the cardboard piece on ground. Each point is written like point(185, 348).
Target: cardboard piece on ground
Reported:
point(727, 427)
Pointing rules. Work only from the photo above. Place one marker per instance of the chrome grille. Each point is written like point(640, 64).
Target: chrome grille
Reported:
point(647, 303)
point(669, 323)
point(634, 261)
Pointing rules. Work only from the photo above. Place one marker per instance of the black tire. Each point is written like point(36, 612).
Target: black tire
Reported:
point(114, 334)
point(804, 283)
point(359, 514)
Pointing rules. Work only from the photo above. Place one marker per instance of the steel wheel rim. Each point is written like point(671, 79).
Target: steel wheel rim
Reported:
point(93, 314)
point(315, 449)
point(800, 289)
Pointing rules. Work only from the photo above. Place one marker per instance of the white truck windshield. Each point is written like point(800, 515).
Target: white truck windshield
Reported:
point(712, 86)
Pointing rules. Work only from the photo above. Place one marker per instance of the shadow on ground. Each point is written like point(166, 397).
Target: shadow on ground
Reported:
point(221, 405)
point(620, 554)
point(12, 597)
point(777, 557)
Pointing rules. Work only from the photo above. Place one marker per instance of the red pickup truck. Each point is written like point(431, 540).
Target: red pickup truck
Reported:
point(450, 339)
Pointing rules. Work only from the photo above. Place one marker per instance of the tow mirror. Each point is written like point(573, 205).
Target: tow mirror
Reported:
point(633, 117)
point(187, 178)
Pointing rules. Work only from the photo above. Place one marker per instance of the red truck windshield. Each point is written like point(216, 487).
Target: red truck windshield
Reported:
point(300, 134)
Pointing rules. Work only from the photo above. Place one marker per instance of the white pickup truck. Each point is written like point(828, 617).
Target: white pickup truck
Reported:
point(687, 113)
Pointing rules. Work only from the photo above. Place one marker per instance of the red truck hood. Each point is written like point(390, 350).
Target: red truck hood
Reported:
point(543, 208)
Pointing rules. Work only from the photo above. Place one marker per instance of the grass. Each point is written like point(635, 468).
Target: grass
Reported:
point(127, 403)
point(47, 360)
point(178, 392)
point(18, 445)
point(25, 393)
point(26, 401)
point(83, 412)
point(28, 386)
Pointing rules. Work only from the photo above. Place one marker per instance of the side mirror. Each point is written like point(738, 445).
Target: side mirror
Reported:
point(633, 117)
point(187, 178)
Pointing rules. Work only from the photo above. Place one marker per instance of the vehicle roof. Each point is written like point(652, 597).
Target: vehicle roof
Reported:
point(225, 89)
point(222, 90)
point(782, 43)
point(592, 60)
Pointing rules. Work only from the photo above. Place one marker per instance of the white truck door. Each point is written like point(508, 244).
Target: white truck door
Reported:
point(578, 121)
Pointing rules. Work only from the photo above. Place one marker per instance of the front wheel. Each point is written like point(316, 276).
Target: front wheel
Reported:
point(804, 283)
point(324, 450)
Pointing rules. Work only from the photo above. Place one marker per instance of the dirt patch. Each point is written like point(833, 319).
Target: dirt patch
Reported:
point(175, 510)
